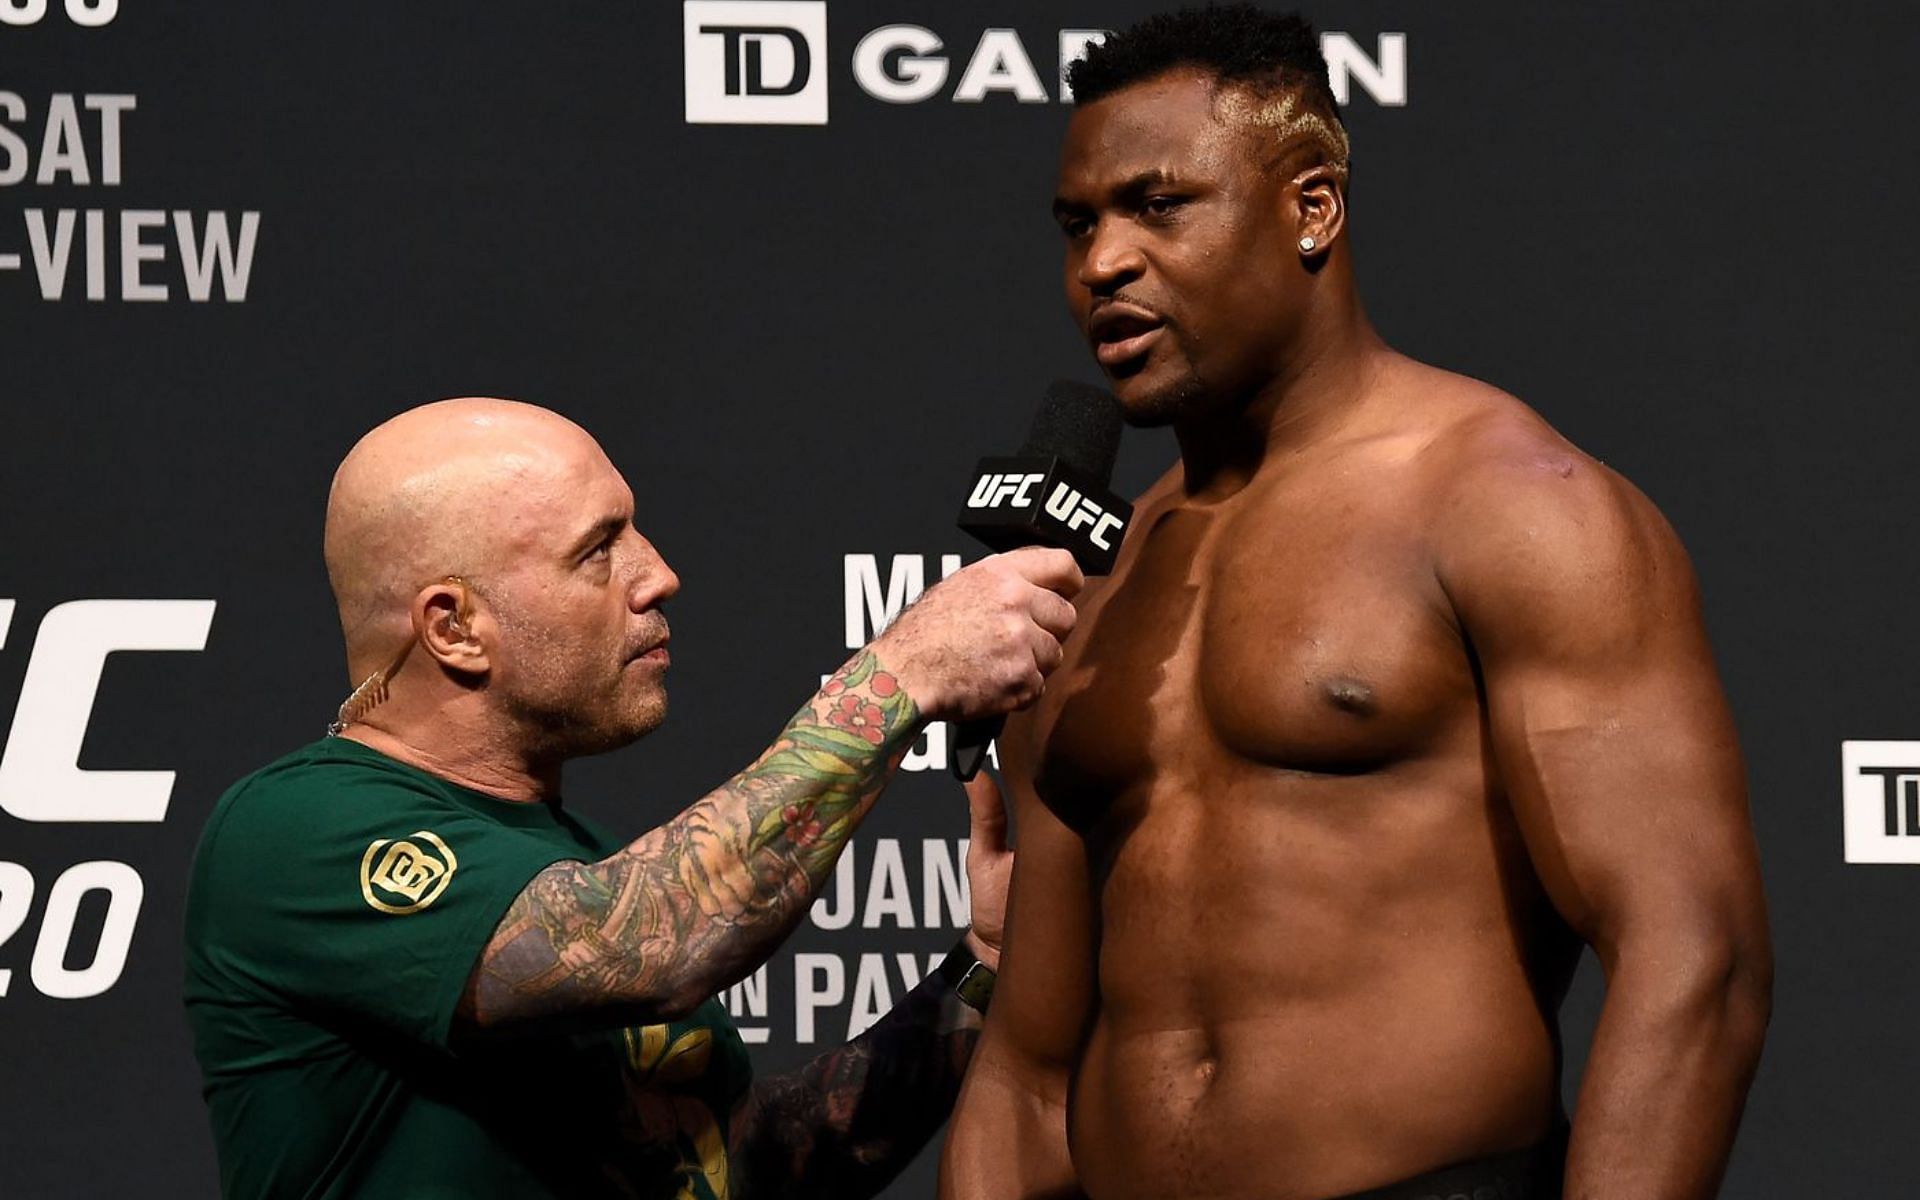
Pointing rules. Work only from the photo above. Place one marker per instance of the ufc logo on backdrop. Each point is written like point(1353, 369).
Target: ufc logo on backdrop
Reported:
point(40, 774)
point(756, 62)
point(89, 13)
point(41, 780)
point(1881, 782)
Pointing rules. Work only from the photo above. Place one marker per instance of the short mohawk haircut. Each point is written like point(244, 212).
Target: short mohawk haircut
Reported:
point(1238, 43)
point(1268, 53)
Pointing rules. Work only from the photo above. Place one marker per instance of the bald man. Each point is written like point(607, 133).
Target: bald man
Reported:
point(413, 972)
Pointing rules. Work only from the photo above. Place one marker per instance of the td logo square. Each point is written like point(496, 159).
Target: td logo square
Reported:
point(756, 62)
point(1880, 784)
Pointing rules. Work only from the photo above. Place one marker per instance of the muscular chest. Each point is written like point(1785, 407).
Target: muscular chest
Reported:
point(1300, 630)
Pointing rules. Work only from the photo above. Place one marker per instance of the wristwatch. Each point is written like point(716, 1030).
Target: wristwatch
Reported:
point(975, 987)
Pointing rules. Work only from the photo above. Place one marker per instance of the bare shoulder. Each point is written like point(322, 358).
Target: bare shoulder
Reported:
point(1518, 511)
point(1483, 443)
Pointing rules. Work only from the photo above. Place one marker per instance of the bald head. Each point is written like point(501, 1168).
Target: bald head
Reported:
point(457, 487)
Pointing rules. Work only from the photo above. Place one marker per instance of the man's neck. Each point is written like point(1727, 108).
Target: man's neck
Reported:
point(1319, 386)
point(469, 761)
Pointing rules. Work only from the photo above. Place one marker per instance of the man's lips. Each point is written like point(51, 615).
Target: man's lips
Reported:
point(1117, 353)
point(1120, 332)
point(656, 654)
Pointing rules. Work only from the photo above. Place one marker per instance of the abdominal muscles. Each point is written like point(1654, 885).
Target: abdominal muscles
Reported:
point(1312, 987)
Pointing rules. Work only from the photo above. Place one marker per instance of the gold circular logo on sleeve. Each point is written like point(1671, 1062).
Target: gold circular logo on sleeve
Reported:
point(405, 875)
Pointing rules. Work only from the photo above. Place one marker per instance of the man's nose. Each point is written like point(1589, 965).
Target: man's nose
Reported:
point(654, 582)
point(1112, 261)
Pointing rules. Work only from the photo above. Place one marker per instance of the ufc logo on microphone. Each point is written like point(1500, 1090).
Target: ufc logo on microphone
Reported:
point(756, 62)
point(1069, 505)
point(1881, 782)
point(994, 489)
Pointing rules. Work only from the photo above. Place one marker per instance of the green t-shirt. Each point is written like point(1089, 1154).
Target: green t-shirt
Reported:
point(338, 904)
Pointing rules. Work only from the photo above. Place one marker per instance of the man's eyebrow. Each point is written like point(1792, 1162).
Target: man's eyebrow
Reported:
point(601, 530)
point(1150, 178)
point(1129, 188)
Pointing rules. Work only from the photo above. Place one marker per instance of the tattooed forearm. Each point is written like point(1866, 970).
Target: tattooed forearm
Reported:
point(847, 1122)
point(698, 903)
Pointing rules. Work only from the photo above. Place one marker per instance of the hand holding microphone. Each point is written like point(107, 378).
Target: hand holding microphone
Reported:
point(980, 643)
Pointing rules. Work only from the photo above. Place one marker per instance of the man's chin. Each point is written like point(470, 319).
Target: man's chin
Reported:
point(643, 720)
point(617, 730)
point(1150, 399)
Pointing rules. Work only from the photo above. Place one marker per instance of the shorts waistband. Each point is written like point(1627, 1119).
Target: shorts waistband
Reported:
point(1535, 1173)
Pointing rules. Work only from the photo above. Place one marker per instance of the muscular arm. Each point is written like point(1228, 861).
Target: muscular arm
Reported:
point(847, 1122)
point(696, 904)
point(1614, 746)
point(1008, 1140)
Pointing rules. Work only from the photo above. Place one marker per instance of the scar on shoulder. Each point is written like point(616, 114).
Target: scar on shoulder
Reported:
point(1560, 464)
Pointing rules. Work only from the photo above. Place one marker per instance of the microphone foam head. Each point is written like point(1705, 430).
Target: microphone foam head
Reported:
point(1080, 424)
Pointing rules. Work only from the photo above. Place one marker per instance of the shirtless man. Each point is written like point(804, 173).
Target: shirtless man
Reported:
point(1394, 701)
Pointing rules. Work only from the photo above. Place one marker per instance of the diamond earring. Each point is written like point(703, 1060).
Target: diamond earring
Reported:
point(1307, 244)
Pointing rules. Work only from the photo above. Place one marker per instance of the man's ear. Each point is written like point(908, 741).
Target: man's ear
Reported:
point(447, 621)
point(1319, 210)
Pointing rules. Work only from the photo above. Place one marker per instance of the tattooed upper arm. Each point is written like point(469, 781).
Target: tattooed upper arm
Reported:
point(648, 933)
point(574, 943)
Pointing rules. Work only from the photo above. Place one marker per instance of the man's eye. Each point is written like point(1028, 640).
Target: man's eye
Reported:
point(1075, 227)
point(601, 551)
point(1161, 206)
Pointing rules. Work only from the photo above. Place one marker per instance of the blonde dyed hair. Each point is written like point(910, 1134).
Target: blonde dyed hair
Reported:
point(1297, 125)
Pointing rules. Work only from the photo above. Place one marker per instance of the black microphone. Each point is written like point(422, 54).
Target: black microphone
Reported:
point(1052, 493)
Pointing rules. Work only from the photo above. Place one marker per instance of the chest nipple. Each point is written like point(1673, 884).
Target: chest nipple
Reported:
point(1350, 695)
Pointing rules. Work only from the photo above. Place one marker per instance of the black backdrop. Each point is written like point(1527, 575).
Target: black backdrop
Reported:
point(1684, 234)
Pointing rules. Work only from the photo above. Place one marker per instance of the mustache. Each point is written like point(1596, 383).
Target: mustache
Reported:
point(1131, 301)
point(652, 637)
